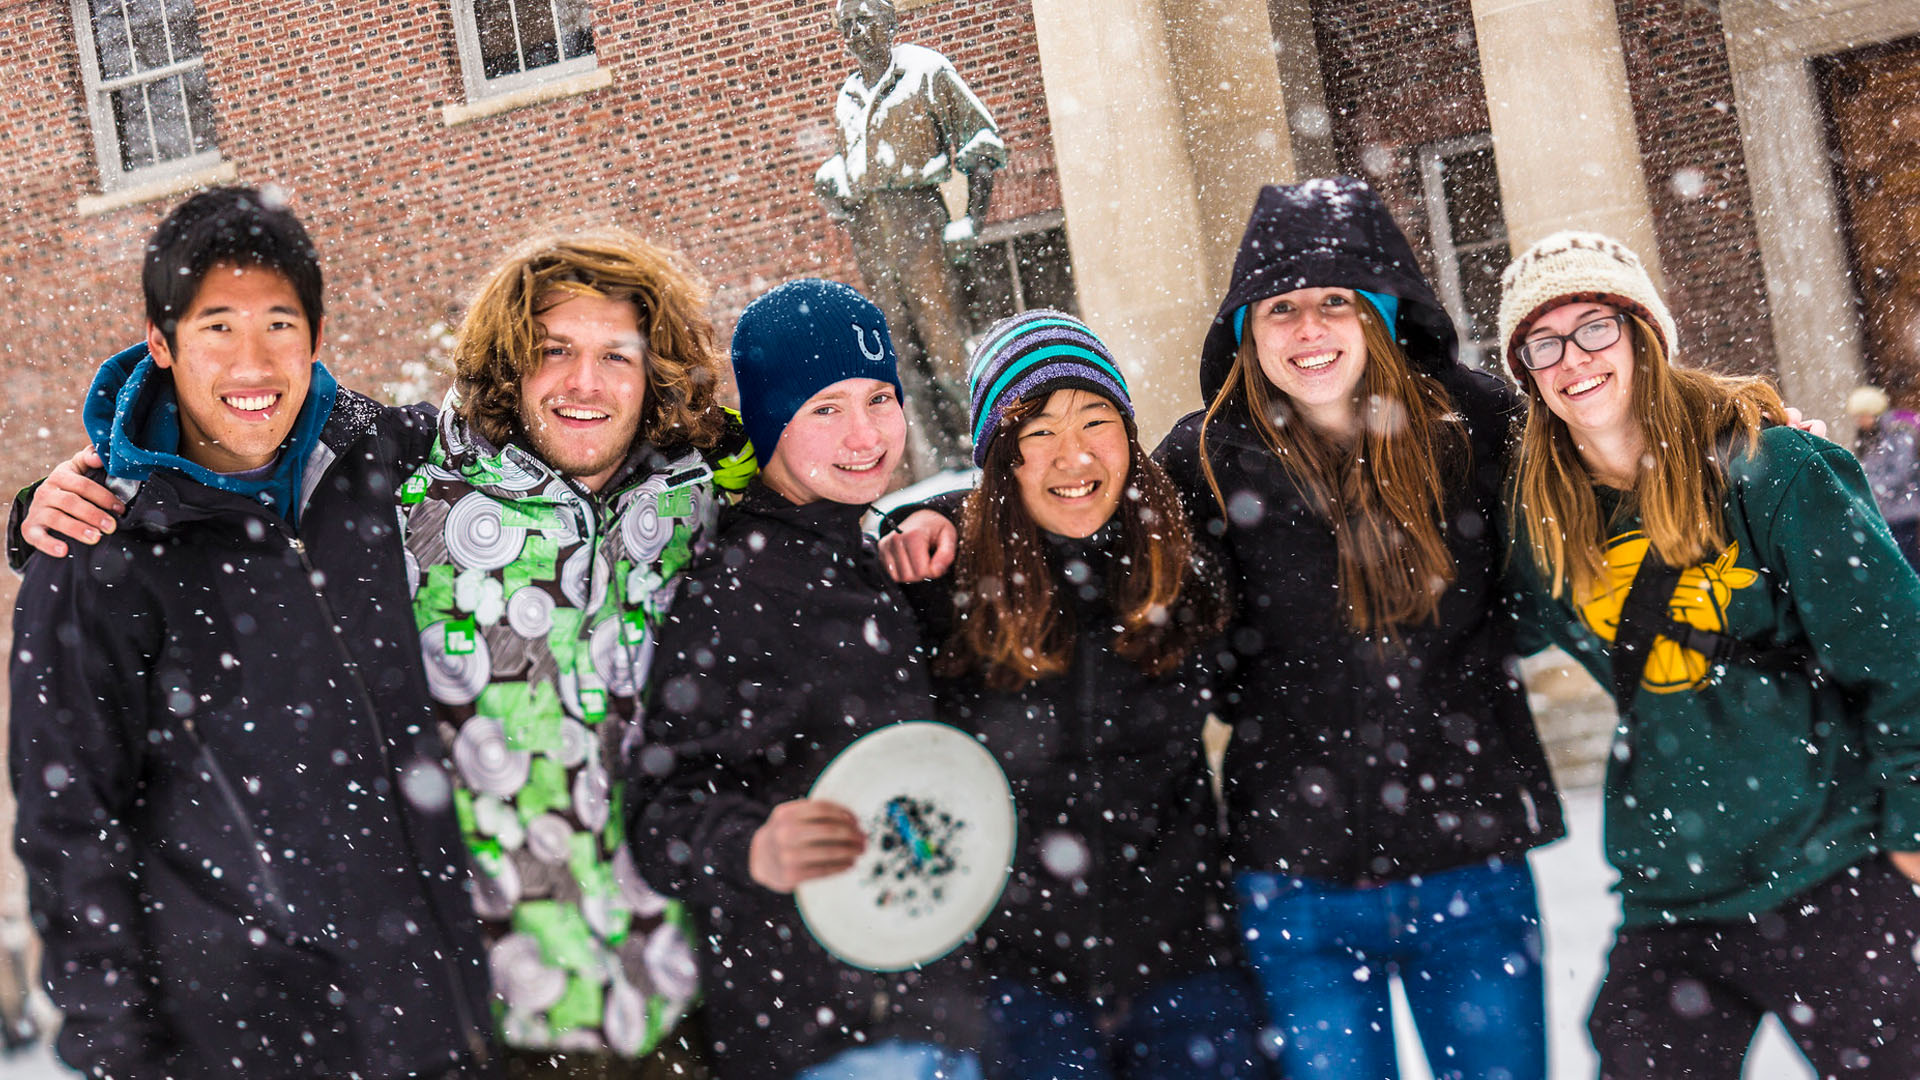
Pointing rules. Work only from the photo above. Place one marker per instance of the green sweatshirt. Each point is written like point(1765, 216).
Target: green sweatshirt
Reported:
point(1734, 788)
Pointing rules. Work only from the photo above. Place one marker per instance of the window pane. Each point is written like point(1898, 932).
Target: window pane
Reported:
point(1046, 271)
point(989, 285)
point(168, 103)
point(185, 27)
point(1472, 189)
point(110, 39)
point(130, 127)
point(199, 108)
point(499, 48)
point(539, 39)
point(1480, 290)
point(148, 26)
point(576, 28)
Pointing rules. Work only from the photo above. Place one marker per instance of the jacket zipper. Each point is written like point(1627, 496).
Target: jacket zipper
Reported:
point(269, 877)
point(1097, 840)
point(476, 1039)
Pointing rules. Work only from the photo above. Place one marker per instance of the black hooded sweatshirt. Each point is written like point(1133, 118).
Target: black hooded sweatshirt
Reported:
point(1116, 881)
point(238, 831)
point(787, 642)
point(1354, 762)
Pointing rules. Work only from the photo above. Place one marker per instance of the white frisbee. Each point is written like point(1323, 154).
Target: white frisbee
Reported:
point(939, 819)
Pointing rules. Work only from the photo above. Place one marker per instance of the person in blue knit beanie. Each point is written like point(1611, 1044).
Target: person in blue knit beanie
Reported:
point(799, 339)
point(787, 643)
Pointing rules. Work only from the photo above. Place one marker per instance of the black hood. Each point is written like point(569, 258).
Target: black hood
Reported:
point(1328, 233)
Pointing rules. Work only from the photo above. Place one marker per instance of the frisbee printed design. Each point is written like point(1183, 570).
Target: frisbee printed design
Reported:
point(917, 842)
point(939, 819)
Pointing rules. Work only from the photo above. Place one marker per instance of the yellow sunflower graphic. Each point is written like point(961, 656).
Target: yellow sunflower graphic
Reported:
point(1699, 600)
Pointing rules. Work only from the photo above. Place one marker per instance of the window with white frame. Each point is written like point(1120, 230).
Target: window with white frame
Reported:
point(146, 88)
point(509, 45)
point(1462, 189)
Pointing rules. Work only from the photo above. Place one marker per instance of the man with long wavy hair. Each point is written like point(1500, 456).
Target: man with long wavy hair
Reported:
point(579, 459)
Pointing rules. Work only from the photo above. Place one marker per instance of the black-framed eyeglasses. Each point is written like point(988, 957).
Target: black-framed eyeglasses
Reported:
point(1543, 352)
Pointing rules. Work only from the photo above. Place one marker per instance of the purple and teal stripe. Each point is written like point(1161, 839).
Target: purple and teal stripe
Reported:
point(1032, 352)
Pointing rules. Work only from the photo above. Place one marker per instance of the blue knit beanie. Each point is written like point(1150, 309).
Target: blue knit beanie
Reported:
point(1032, 354)
point(798, 340)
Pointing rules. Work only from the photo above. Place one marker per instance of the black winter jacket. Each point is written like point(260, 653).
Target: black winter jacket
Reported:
point(1116, 880)
point(1353, 763)
point(241, 851)
point(786, 643)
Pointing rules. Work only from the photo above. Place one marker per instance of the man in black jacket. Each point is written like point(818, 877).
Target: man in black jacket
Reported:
point(242, 853)
point(787, 644)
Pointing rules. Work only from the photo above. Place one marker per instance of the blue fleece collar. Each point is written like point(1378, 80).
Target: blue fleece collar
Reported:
point(133, 418)
point(1386, 304)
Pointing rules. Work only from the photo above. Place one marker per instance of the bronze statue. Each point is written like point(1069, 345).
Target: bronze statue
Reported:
point(906, 121)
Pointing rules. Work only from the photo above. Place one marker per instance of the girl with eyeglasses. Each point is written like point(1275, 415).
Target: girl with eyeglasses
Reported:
point(1730, 577)
point(1384, 781)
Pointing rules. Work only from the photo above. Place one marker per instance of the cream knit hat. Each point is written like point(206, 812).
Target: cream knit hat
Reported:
point(1570, 266)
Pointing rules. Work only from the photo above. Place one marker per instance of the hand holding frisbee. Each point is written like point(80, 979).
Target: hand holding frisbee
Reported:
point(939, 819)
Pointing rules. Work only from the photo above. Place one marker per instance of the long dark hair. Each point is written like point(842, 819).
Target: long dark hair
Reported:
point(1010, 626)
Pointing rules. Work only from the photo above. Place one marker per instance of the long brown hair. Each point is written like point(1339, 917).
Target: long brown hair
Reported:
point(1685, 414)
point(1385, 495)
point(1009, 625)
point(499, 343)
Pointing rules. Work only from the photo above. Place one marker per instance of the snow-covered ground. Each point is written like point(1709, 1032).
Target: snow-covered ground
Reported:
point(1580, 915)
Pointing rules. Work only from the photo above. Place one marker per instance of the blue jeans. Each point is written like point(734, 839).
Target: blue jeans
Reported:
point(1199, 1026)
point(895, 1059)
point(1465, 944)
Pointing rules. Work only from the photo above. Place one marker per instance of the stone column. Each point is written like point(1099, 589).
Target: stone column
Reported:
point(1166, 118)
point(1562, 120)
point(1818, 335)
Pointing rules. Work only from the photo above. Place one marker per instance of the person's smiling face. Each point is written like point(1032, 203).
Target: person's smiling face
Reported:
point(1074, 459)
point(841, 446)
point(1312, 349)
point(1591, 392)
point(241, 360)
point(581, 407)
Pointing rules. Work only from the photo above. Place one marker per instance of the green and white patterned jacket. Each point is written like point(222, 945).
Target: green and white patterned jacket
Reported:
point(536, 604)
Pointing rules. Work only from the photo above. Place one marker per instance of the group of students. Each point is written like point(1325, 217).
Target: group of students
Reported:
point(1339, 557)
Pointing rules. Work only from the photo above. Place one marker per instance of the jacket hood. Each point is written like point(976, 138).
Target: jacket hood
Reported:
point(1328, 233)
point(133, 418)
point(515, 474)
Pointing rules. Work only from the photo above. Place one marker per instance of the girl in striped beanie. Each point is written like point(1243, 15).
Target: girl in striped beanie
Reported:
point(1074, 646)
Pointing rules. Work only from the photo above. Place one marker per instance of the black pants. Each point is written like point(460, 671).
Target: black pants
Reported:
point(1838, 964)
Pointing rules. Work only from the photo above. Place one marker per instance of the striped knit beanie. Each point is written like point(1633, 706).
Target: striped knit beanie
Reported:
point(1572, 266)
point(1032, 354)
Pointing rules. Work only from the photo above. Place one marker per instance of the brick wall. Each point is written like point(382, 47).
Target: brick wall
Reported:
point(708, 139)
point(719, 112)
point(1696, 173)
point(1398, 74)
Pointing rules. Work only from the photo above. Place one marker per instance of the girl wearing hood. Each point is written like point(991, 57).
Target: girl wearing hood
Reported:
point(1734, 584)
point(1079, 634)
point(1385, 780)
